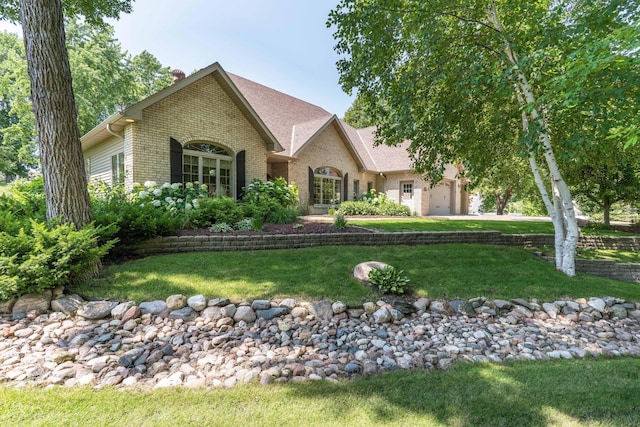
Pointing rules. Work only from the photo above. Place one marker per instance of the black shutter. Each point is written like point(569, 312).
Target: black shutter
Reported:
point(311, 177)
point(241, 178)
point(175, 160)
point(345, 195)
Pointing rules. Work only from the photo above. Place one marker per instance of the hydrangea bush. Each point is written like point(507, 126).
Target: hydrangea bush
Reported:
point(174, 197)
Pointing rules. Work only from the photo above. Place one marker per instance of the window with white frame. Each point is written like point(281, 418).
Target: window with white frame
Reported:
point(209, 164)
point(117, 168)
point(407, 190)
point(327, 186)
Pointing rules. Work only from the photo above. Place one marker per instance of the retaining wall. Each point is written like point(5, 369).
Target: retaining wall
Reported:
point(217, 243)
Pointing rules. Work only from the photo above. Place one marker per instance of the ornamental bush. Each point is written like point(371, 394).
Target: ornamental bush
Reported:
point(271, 201)
point(46, 256)
point(389, 280)
point(374, 203)
point(212, 211)
point(120, 215)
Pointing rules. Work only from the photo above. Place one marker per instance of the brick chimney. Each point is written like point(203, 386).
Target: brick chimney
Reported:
point(177, 75)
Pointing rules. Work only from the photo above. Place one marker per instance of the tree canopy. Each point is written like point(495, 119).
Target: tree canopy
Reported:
point(471, 80)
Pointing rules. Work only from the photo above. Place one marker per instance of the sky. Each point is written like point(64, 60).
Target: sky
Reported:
point(282, 44)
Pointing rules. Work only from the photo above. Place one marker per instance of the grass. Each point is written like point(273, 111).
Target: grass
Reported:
point(596, 392)
point(435, 271)
point(505, 227)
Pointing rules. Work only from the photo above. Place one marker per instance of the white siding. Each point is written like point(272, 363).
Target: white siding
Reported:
point(100, 159)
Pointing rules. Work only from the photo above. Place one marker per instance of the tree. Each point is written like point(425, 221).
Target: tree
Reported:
point(17, 133)
point(604, 175)
point(440, 68)
point(357, 116)
point(54, 106)
point(149, 75)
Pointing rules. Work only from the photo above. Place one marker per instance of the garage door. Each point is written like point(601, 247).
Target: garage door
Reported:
point(440, 199)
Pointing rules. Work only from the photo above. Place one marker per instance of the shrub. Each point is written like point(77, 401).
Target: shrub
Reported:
point(340, 222)
point(123, 217)
point(47, 256)
point(389, 280)
point(280, 215)
point(278, 190)
point(214, 210)
point(245, 224)
point(262, 199)
point(374, 203)
point(221, 227)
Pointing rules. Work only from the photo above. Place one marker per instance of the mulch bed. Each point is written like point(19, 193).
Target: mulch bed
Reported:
point(307, 228)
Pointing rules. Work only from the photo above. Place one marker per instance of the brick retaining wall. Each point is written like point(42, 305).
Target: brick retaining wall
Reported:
point(222, 242)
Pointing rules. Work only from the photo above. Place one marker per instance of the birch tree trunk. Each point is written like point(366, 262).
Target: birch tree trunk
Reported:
point(561, 211)
point(65, 181)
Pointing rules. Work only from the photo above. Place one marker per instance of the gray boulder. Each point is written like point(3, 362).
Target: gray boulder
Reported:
point(462, 307)
point(67, 304)
point(185, 313)
point(321, 309)
point(261, 304)
point(245, 314)
point(382, 315)
point(31, 302)
point(95, 310)
point(120, 309)
point(153, 307)
point(197, 302)
point(272, 313)
point(362, 270)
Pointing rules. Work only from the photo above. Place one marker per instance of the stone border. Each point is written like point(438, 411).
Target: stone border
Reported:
point(222, 242)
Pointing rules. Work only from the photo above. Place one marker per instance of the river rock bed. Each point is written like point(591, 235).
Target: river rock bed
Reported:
point(195, 342)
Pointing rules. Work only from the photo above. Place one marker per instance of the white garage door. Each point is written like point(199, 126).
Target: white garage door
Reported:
point(440, 199)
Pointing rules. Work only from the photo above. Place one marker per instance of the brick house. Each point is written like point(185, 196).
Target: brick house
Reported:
point(224, 130)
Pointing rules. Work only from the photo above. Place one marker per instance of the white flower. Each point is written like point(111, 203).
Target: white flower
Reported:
point(179, 201)
point(195, 203)
point(203, 187)
point(187, 206)
point(196, 182)
point(150, 184)
point(157, 192)
point(189, 185)
point(168, 199)
point(176, 185)
point(166, 185)
point(156, 203)
point(143, 194)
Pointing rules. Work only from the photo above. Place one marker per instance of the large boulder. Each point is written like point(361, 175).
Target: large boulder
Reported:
point(362, 270)
point(32, 302)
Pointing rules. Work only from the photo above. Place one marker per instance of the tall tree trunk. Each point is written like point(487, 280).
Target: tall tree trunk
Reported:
point(606, 210)
point(65, 182)
point(561, 211)
point(501, 202)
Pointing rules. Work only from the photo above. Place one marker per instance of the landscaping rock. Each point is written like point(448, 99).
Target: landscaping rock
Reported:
point(382, 315)
point(338, 307)
point(244, 314)
point(261, 304)
point(185, 313)
point(422, 304)
point(119, 310)
point(322, 309)
point(67, 304)
point(197, 302)
point(212, 312)
point(618, 310)
point(153, 307)
point(272, 313)
point(597, 304)
point(95, 310)
point(289, 303)
point(462, 307)
point(6, 307)
point(218, 302)
point(176, 302)
point(39, 303)
point(362, 270)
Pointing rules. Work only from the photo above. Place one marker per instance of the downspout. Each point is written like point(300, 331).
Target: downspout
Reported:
point(112, 132)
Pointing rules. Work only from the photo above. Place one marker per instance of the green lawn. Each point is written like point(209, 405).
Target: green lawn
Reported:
point(505, 227)
point(601, 392)
point(435, 271)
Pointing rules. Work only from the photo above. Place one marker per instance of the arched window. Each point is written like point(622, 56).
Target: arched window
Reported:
point(327, 185)
point(209, 164)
